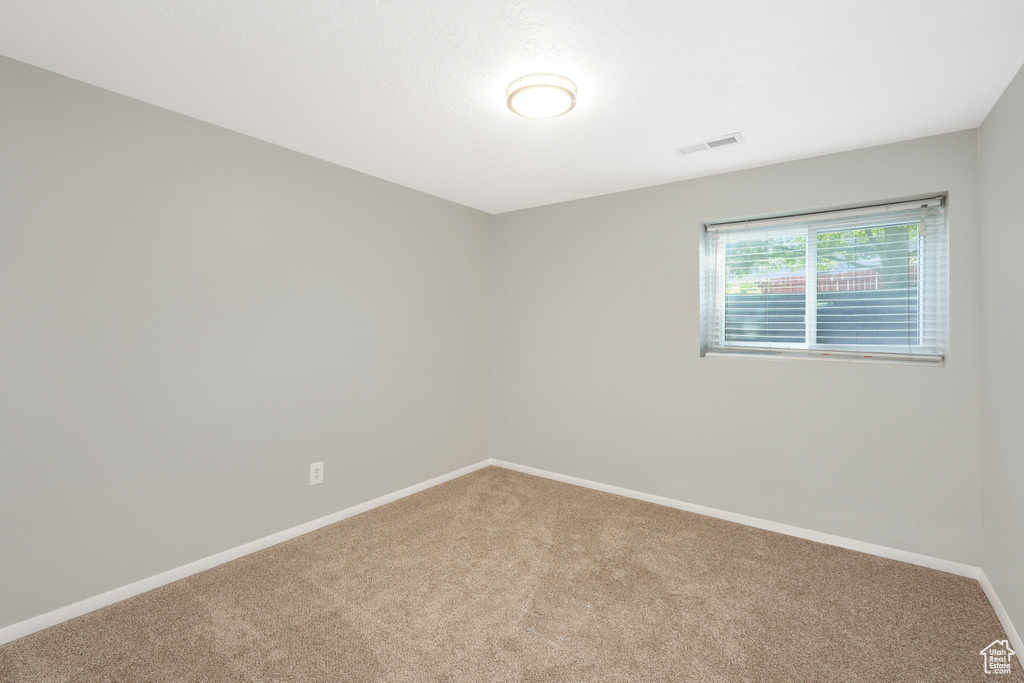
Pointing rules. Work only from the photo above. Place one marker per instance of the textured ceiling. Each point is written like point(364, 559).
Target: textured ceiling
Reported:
point(414, 92)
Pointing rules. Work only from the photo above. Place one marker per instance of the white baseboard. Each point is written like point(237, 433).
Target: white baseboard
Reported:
point(1004, 618)
point(828, 539)
point(38, 623)
point(29, 626)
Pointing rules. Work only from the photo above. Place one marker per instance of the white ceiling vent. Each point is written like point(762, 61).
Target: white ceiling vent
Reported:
point(722, 141)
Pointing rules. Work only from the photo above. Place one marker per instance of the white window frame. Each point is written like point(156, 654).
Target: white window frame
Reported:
point(932, 281)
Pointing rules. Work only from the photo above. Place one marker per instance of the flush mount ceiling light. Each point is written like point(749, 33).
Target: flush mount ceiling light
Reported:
point(541, 96)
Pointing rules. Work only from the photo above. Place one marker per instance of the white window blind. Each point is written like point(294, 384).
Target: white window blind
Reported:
point(869, 282)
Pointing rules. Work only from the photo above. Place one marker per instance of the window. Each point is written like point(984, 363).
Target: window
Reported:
point(868, 282)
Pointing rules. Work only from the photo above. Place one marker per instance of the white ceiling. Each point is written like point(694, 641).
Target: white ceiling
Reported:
point(414, 92)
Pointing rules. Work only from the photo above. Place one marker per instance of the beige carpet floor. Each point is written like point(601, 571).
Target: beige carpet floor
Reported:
point(501, 576)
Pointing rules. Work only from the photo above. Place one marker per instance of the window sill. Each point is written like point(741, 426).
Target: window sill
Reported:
point(848, 356)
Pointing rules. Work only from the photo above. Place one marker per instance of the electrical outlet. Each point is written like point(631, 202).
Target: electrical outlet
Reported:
point(316, 473)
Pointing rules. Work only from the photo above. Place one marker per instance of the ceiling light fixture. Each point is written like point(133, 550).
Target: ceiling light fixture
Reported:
point(541, 96)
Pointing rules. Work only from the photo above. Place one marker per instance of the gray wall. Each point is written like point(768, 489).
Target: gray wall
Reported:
point(597, 371)
point(189, 317)
point(1001, 149)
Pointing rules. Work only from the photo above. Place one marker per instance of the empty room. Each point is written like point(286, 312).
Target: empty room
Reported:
point(507, 341)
